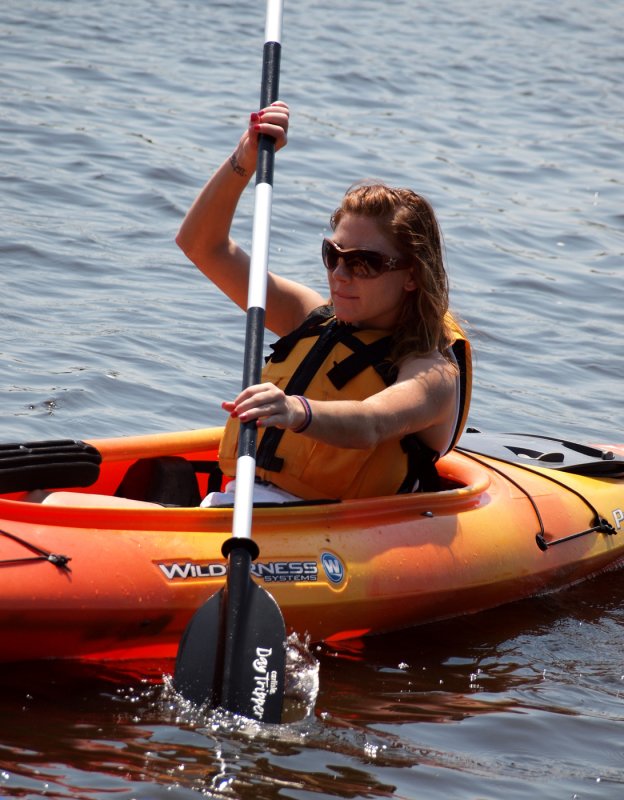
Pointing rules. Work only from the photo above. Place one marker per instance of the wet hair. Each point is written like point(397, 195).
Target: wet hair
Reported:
point(425, 323)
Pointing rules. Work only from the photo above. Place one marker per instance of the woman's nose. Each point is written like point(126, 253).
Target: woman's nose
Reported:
point(341, 272)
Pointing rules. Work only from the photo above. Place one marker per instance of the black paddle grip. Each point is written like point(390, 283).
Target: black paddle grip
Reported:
point(252, 374)
point(269, 93)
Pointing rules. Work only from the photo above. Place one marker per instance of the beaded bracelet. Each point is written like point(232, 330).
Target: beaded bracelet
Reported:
point(308, 414)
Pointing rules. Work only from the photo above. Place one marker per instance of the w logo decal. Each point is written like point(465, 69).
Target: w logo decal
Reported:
point(333, 567)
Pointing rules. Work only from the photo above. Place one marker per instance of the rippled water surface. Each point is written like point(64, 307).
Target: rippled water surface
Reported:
point(509, 118)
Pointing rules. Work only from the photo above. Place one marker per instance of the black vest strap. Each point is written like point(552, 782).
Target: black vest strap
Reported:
point(313, 325)
point(299, 382)
point(363, 356)
point(421, 475)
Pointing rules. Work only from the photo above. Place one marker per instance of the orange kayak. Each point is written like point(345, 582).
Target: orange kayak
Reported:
point(105, 553)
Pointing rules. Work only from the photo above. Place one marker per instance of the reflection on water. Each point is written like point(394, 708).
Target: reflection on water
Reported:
point(471, 699)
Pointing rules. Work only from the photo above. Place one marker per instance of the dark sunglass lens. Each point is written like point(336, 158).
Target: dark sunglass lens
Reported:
point(359, 263)
point(330, 255)
point(362, 266)
point(372, 264)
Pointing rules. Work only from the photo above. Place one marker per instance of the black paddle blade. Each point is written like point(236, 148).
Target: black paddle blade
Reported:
point(233, 652)
point(195, 667)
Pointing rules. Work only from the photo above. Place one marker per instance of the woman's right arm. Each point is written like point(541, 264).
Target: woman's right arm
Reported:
point(204, 235)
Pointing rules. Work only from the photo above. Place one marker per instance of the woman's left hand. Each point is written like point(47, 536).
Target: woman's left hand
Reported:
point(268, 405)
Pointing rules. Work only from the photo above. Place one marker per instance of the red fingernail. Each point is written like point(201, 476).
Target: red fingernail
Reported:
point(256, 127)
point(254, 117)
point(260, 113)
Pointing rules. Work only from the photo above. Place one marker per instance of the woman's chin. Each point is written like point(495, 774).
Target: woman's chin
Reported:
point(346, 318)
point(342, 310)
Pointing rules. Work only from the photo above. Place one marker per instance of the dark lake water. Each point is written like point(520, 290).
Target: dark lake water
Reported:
point(509, 118)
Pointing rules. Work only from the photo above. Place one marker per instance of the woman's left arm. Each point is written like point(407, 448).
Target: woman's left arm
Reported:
point(422, 400)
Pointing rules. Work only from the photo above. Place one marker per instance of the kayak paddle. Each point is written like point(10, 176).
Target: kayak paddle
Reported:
point(233, 651)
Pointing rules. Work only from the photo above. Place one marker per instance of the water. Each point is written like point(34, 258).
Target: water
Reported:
point(509, 118)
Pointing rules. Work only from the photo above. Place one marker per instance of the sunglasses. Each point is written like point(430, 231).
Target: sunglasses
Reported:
point(358, 262)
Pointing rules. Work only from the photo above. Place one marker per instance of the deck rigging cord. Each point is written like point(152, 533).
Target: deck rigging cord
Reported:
point(57, 559)
point(600, 524)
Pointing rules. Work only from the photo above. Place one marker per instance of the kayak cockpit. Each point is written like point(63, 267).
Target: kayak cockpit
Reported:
point(151, 473)
point(176, 470)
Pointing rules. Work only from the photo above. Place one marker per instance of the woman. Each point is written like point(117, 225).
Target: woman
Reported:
point(362, 393)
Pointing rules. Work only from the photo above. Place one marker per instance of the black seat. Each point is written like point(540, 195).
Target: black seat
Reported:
point(168, 480)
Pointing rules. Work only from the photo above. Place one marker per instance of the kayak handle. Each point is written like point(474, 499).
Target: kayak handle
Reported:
point(602, 527)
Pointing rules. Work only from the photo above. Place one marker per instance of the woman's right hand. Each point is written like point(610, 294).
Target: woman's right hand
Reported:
point(272, 121)
point(205, 234)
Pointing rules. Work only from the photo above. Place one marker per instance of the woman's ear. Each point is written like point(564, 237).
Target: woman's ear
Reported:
point(410, 284)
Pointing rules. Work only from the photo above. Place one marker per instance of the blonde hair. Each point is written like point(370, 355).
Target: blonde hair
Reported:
point(425, 323)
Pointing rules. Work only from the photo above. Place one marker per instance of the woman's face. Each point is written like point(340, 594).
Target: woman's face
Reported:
point(367, 302)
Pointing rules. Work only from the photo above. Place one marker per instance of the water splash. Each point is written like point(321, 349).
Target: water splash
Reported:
point(300, 693)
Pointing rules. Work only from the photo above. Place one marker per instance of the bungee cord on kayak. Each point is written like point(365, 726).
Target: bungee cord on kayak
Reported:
point(56, 559)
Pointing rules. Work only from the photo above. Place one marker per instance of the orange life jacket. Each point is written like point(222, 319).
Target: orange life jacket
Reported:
point(328, 360)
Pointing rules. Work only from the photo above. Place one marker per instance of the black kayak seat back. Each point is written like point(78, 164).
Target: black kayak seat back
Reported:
point(168, 480)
